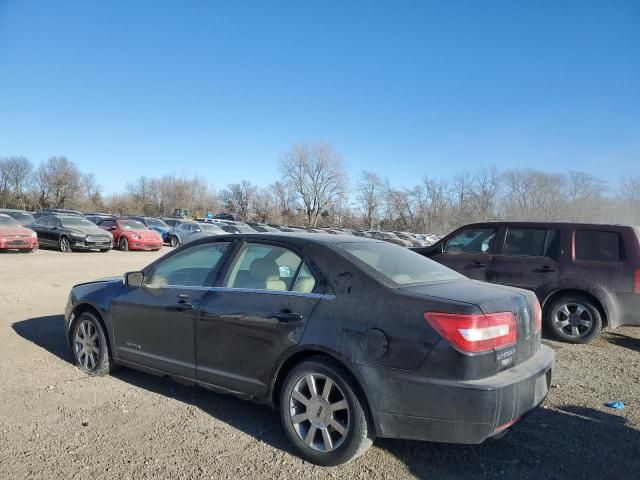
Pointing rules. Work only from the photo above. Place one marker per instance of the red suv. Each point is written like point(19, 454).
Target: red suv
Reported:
point(586, 276)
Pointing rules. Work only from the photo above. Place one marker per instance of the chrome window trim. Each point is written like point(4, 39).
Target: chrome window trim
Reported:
point(321, 296)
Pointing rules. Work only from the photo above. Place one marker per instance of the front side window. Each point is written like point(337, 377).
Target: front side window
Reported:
point(597, 246)
point(190, 267)
point(476, 241)
point(267, 267)
point(397, 264)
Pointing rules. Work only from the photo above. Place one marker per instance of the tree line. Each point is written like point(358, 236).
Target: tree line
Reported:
point(314, 189)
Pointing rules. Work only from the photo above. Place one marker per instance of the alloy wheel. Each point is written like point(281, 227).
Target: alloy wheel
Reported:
point(87, 345)
point(175, 242)
point(573, 319)
point(65, 246)
point(319, 412)
point(124, 244)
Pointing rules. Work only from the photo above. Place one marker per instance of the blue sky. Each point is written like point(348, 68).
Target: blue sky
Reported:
point(403, 88)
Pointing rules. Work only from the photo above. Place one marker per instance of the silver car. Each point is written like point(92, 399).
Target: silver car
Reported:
point(189, 231)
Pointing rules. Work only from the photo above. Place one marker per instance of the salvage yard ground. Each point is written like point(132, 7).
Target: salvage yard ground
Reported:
point(56, 422)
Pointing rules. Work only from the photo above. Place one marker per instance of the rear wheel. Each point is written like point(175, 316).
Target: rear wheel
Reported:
point(574, 319)
point(123, 244)
point(90, 349)
point(64, 245)
point(323, 414)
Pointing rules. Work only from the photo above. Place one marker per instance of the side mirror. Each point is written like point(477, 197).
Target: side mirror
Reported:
point(112, 227)
point(133, 279)
point(197, 230)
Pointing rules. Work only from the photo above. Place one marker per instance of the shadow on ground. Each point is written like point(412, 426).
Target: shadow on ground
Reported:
point(623, 341)
point(565, 442)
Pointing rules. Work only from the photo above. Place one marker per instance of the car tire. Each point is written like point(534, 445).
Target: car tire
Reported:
point(64, 245)
point(574, 319)
point(123, 244)
point(89, 345)
point(325, 436)
point(175, 242)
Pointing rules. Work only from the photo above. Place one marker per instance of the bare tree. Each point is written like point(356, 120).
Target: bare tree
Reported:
point(238, 197)
point(316, 174)
point(15, 176)
point(58, 183)
point(370, 190)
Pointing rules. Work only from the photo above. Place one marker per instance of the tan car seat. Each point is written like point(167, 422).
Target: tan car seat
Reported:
point(265, 275)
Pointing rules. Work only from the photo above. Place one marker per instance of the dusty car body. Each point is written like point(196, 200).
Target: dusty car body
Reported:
point(350, 338)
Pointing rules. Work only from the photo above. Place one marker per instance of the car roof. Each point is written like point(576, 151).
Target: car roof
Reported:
point(558, 224)
point(297, 238)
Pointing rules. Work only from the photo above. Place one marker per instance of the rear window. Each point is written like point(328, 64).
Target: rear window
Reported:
point(598, 246)
point(397, 264)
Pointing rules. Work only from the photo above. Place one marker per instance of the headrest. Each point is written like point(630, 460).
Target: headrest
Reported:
point(264, 268)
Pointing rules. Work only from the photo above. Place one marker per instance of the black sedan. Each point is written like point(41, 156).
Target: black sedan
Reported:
point(349, 338)
point(70, 232)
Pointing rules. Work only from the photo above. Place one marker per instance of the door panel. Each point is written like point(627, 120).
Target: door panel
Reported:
point(239, 337)
point(470, 265)
point(527, 259)
point(154, 327)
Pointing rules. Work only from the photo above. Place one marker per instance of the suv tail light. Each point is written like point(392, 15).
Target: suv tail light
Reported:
point(477, 332)
point(636, 287)
point(537, 317)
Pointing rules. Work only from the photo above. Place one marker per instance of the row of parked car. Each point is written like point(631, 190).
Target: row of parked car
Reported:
point(69, 230)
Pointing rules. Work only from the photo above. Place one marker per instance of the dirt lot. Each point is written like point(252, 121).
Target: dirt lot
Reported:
point(56, 422)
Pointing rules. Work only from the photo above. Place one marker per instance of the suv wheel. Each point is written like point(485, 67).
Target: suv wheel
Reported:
point(323, 414)
point(574, 319)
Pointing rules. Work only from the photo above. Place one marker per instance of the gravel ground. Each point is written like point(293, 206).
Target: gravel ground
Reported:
point(56, 422)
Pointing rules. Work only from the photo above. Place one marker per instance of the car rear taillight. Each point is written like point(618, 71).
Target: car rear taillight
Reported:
point(537, 317)
point(636, 287)
point(477, 332)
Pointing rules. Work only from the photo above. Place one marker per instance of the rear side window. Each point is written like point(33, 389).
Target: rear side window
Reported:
point(475, 240)
point(530, 242)
point(597, 246)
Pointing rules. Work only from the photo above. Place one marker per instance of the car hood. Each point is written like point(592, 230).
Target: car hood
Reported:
point(14, 231)
point(101, 280)
point(88, 230)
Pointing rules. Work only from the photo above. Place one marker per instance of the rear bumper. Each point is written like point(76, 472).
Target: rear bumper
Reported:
point(626, 309)
point(407, 405)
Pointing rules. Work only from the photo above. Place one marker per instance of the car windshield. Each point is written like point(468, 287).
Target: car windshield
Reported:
point(76, 222)
point(22, 217)
point(397, 264)
point(7, 221)
point(132, 225)
point(207, 227)
point(156, 222)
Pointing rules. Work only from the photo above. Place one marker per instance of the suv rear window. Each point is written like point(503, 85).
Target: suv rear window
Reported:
point(597, 245)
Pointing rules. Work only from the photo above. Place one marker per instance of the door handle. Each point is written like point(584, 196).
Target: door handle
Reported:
point(477, 265)
point(180, 306)
point(545, 269)
point(286, 317)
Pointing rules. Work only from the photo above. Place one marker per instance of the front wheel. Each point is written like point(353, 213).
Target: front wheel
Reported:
point(123, 244)
point(64, 245)
point(90, 348)
point(574, 319)
point(323, 414)
point(175, 242)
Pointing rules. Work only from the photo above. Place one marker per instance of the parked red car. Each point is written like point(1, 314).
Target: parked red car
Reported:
point(14, 236)
point(131, 234)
